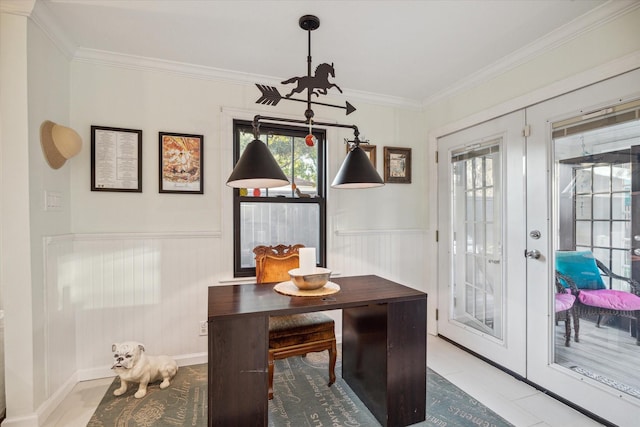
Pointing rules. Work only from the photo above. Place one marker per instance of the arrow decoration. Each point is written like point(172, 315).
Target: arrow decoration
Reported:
point(350, 108)
point(271, 96)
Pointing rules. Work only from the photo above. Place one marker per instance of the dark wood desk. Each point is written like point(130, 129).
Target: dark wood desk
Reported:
point(384, 348)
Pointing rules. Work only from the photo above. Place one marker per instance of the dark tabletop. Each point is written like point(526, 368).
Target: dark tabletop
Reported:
point(248, 299)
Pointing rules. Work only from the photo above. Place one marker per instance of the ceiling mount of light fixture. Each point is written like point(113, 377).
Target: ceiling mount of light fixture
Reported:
point(355, 172)
point(309, 22)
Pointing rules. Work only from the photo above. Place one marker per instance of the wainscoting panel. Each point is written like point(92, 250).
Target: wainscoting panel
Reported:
point(60, 340)
point(150, 289)
point(398, 255)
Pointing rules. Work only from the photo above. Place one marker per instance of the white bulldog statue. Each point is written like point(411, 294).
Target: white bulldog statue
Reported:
point(133, 366)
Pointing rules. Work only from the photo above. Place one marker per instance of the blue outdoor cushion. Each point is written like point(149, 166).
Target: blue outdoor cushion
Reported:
point(581, 267)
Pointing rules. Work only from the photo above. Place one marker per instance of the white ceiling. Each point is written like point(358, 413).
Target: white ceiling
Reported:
point(413, 51)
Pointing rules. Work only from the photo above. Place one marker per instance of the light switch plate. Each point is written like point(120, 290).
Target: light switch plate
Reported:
point(52, 201)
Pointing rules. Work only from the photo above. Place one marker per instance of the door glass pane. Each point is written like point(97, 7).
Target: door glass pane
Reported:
point(583, 180)
point(477, 278)
point(583, 233)
point(620, 234)
point(621, 180)
point(601, 233)
point(621, 205)
point(583, 207)
point(479, 209)
point(602, 206)
point(601, 181)
point(594, 211)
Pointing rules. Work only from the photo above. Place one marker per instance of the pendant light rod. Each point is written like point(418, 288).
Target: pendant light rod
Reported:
point(310, 23)
point(258, 118)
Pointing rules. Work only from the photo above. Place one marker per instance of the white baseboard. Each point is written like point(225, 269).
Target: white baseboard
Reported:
point(106, 372)
point(50, 405)
point(192, 359)
point(24, 421)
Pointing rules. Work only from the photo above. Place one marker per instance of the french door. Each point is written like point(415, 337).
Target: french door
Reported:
point(481, 227)
point(582, 155)
point(507, 203)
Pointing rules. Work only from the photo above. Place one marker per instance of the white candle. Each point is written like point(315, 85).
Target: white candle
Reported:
point(307, 260)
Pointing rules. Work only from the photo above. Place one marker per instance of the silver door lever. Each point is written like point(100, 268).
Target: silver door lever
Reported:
point(533, 254)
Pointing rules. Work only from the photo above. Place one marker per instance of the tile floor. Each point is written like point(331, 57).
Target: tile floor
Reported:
point(517, 402)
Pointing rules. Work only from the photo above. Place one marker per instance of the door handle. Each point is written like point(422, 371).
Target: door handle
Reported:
point(533, 254)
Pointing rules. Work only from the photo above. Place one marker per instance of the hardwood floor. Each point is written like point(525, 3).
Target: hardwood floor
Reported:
point(607, 352)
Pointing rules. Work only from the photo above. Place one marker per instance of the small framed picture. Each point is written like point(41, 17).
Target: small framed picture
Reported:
point(181, 163)
point(397, 165)
point(370, 151)
point(116, 159)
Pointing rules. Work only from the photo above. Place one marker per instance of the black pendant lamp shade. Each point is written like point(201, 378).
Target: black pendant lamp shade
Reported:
point(257, 168)
point(357, 171)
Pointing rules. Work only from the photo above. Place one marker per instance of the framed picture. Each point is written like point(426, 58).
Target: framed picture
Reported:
point(370, 151)
point(116, 159)
point(181, 163)
point(397, 165)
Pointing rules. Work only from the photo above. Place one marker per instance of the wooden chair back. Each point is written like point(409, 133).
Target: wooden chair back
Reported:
point(274, 262)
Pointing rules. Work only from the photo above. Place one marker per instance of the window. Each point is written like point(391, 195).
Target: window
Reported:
point(284, 215)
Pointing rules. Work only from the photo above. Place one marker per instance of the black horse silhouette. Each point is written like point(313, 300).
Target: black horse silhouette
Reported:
point(319, 83)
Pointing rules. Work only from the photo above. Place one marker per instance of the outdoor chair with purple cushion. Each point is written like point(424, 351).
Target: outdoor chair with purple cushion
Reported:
point(582, 273)
point(564, 301)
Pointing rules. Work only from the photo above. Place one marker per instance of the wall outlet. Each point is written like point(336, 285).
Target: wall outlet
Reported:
point(204, 327)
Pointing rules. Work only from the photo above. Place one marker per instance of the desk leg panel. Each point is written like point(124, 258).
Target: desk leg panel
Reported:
point(238, 380)
point(364, 356)
point(384, 359)
point(407, 362)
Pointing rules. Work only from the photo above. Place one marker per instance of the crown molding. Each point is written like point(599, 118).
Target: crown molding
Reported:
point(17, 7)
point(603, 72)
point(588, 22)
point(140, 63)
point(43, 18)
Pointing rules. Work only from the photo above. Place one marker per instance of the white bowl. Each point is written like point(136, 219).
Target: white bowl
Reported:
point(309, 281)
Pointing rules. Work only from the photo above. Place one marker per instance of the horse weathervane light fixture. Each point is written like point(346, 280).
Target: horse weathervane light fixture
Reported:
point(257, 168)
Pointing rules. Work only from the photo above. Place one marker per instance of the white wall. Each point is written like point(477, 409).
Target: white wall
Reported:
point(15, 248)
point(49, 97)
point(35, 87)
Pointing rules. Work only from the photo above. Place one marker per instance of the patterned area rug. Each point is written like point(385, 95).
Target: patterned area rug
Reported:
point(301, 398)
point(184, 403)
